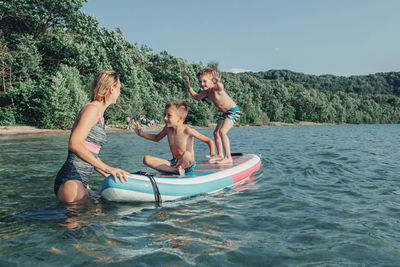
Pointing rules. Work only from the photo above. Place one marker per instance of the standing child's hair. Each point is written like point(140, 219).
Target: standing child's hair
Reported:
point(180, 106)
point(102, 82)
point(205, 71)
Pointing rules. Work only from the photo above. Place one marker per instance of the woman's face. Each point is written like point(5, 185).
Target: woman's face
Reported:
point(115, 91)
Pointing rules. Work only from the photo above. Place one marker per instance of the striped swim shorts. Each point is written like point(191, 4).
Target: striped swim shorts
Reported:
point(233, 114)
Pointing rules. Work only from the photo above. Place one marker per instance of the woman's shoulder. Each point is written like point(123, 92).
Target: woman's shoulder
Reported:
point(91, 108)
point(90, 111)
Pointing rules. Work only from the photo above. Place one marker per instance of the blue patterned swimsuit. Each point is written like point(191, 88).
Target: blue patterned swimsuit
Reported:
point(74, 167)
point(233, 114)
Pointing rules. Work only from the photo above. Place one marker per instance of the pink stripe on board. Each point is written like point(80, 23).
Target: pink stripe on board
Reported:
point(92, 147)
point(246, 173)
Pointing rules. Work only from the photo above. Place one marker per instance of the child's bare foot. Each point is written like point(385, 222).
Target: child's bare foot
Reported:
point(224, 161)
point(215, 158)
point(181, 171)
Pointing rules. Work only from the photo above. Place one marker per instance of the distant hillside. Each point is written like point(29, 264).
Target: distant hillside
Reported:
point(379, 83)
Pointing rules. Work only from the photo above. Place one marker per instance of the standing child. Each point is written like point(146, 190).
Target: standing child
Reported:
point(180, 140)
point(210, 82)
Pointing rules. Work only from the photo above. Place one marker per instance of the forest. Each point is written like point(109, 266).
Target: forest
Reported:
point(51, 50)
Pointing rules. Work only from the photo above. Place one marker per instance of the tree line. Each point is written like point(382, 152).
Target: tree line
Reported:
point(51, 50)
point(379, 83)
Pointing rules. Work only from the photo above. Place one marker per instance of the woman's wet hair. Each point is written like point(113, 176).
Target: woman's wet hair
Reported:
point(102, 82)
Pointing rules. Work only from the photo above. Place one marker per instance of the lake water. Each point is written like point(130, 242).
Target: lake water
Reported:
point(325, 195)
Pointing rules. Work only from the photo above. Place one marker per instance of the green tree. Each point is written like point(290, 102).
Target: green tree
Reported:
point(64, 99)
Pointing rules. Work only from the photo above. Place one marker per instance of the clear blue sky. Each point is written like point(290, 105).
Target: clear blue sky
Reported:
point(339, 37)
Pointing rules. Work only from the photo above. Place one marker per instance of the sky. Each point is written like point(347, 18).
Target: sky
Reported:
point(338, 37)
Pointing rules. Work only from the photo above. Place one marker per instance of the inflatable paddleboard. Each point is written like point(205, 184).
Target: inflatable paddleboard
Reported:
point(206, 178)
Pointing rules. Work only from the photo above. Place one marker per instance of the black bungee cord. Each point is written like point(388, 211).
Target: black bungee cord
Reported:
point(157, 195)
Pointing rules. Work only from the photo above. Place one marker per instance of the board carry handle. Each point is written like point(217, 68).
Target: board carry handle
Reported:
point(157, 195)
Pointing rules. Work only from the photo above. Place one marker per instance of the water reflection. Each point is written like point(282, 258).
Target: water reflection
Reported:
point(194, 231)
point(81, 213)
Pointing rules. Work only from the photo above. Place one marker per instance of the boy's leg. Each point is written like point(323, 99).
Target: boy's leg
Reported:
point(227, 124)
point(159, 164)
point(218, 141)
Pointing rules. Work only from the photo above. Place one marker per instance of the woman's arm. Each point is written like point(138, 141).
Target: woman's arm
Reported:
point(102, 173)
point(105, 174)
point(88, 119)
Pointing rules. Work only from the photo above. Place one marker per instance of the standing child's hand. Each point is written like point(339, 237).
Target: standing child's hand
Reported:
point(138, 128)
point(216, 77)
point(186, 80)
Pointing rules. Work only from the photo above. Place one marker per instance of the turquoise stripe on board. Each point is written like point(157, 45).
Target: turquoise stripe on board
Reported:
point(168, 189)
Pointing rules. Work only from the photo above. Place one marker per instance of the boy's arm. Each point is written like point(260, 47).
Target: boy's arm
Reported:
point(204, 139)
point(152, 137)
point(197, 96)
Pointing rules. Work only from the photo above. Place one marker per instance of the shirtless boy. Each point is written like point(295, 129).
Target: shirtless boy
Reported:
point(180, 140)
point(210, 82)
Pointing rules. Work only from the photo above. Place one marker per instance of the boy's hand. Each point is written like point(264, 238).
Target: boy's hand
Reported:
point(186, 80)
point(138, 128)
point(216, 77)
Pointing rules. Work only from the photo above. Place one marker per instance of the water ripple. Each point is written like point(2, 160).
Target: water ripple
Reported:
point(326, 196)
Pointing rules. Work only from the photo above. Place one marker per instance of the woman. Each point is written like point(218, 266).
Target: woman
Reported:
point(87, 137)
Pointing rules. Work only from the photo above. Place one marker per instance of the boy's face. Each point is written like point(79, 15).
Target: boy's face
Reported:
point(206, 82)
point(172, 117)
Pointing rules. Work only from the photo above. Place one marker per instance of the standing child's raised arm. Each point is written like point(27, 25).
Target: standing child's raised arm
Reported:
point(197, 96)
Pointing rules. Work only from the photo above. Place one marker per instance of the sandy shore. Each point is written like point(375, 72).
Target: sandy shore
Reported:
point(29, 130)
point(24, 130)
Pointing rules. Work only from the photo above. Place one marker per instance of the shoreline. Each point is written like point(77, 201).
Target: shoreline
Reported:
point(27, 130)
point(30, 130)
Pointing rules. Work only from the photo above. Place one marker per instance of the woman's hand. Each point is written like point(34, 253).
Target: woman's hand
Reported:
point(121, 174)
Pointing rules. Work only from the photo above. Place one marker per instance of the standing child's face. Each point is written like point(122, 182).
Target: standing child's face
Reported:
point(171, 117)
point(206, 81)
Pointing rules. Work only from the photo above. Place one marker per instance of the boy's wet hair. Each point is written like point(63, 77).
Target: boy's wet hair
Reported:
point(205, 71)
point(180, 106)
point(102, 82)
